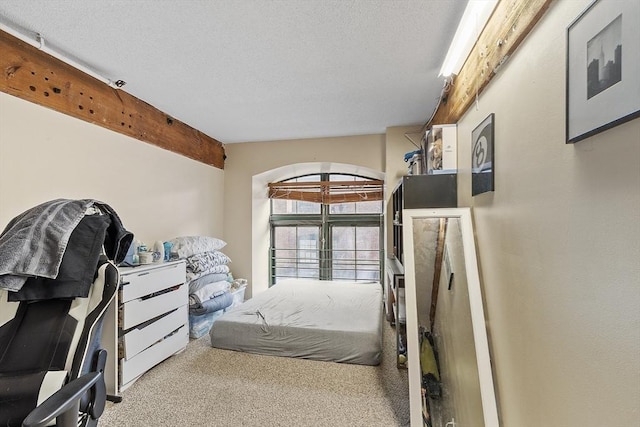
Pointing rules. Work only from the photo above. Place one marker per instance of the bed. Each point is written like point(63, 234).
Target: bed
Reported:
point(311, 319)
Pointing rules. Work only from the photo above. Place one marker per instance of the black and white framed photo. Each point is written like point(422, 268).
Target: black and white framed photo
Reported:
point(603, 68)
point(482, 164)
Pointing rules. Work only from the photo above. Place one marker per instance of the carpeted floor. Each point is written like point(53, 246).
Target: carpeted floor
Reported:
point(204, 386)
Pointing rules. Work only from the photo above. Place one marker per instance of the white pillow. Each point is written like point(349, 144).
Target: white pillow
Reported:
point(186, 246)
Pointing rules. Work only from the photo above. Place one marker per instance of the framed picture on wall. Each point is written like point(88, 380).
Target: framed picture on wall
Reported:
point(482, 164)
point(603, 68)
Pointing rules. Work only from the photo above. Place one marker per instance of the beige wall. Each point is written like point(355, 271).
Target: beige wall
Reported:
point(558, 240)
point(249, 166)
point(558, 246)
point(46, 155)
point(396, 146)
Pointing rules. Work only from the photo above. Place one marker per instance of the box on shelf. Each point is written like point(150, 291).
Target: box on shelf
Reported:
point(416, 165)
point(441, 149)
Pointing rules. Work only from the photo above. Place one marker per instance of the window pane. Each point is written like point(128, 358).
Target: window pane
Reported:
point(296, 251)
point(278, 206)
point(342, 208)
point(307, 207)
point(355, 254)
point(343, 254)
point(354, 207)
point(368, 239)
point(343, 238)
point(369, 207)
point(368, 257)
point(282, 206)
point(368, 253)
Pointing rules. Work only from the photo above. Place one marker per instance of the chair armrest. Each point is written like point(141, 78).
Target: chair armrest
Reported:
point(65, 399)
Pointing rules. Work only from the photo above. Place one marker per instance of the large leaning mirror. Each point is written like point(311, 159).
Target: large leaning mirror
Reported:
point(450, 377)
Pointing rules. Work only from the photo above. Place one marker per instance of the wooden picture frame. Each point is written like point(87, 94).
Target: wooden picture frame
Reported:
point(603, 68)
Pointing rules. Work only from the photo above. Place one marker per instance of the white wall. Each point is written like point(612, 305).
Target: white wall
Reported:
point(559, 245)
point(46, 155)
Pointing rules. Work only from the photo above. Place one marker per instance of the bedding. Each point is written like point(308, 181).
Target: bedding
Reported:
point(217, 302)
point(208, 278)
point(216, 269)
point(312, 319)
point(203, 262)
point(185, 246)
point(208, 291)
point(205, 280)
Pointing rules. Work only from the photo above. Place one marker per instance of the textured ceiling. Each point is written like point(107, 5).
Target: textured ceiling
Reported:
point(249, 70)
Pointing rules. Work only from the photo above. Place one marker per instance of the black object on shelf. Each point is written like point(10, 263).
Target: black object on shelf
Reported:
point(420, 191)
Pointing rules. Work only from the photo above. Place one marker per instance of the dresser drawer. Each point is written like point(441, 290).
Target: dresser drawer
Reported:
point(139, 338)
point(140, 310)
point(146, 280)
point(132, 368)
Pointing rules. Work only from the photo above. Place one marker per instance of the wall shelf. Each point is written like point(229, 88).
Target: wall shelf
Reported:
point(411, 191)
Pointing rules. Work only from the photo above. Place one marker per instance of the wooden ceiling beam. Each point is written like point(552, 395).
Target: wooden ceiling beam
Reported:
point(38, 77)
point(507, 27)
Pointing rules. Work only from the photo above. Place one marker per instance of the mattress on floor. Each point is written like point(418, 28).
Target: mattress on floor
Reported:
point(311, 319)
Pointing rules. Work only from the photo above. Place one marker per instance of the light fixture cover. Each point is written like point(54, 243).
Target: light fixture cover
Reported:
point(473, 20)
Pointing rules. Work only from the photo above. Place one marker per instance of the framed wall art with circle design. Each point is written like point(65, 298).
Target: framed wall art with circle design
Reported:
point(482, 159)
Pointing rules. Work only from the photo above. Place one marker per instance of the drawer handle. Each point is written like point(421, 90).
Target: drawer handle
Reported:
point(161, 292)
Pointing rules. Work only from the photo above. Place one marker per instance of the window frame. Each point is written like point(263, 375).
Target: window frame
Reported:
point(325, 221)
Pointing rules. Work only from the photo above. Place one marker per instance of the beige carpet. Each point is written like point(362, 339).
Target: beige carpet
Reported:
point(204, 386)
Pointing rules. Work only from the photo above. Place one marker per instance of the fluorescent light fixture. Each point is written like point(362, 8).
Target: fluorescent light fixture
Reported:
point(473, 20)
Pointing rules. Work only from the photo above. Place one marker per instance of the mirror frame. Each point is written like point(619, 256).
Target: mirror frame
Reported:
point(487, 390)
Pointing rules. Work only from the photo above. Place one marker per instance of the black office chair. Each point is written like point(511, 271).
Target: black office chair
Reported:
point(51, 363)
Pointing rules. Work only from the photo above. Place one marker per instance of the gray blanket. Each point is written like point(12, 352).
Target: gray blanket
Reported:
point(34, 242)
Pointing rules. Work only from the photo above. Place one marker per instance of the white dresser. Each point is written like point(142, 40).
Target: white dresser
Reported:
point(147, 323)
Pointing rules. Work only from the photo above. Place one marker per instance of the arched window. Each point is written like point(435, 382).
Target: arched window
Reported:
point(326, 226)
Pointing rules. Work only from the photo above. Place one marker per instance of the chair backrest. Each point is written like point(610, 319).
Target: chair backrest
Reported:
point(50, 329)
